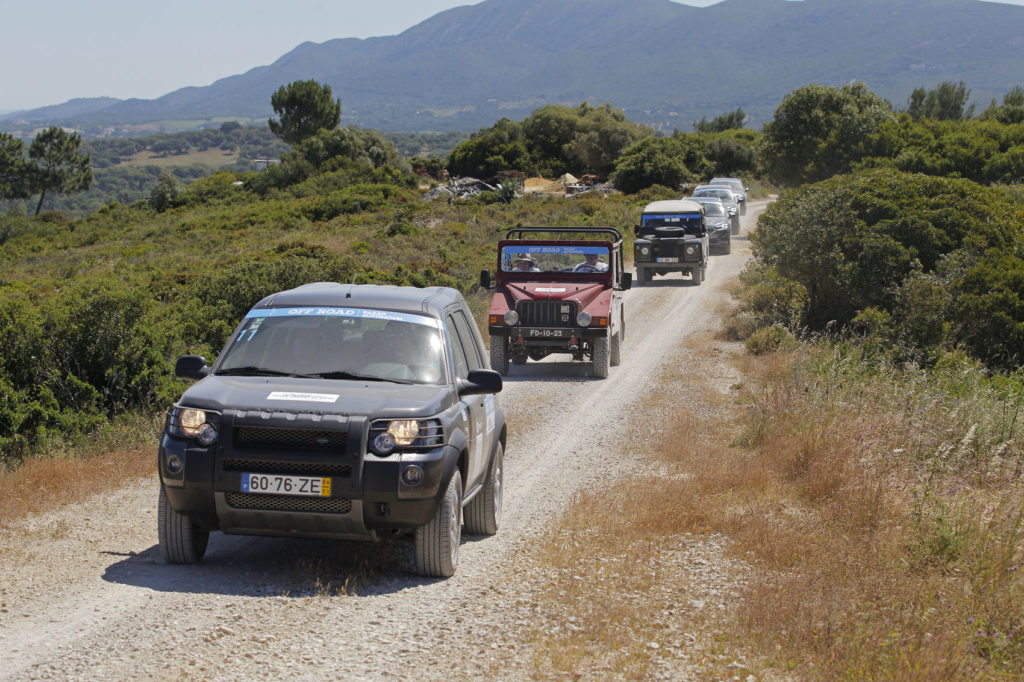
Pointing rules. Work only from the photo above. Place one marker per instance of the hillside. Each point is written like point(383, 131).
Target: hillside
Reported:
point(664, 63)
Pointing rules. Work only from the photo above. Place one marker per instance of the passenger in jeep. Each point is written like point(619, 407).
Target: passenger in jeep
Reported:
point(591, 263)
point(524, 263)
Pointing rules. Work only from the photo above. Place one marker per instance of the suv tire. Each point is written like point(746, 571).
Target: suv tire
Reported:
point(601, 357)
point(181, 540)
point(483, 513)
point(641, 276)
point(437, 543)
point(499, 354)
point(615, 353)
point(698, 275)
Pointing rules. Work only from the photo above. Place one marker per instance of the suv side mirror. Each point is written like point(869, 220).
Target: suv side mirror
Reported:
point(485, 279)
point(191, 367)
point(636, 230)
point(480, 382)
point(627, 281)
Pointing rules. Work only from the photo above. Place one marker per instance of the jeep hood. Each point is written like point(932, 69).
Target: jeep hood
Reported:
point(583, 293)
point(356, 398)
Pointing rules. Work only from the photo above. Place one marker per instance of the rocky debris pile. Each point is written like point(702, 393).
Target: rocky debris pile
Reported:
point(459, 188)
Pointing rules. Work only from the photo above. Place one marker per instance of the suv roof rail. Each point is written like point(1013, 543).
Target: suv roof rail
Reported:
point(519, 231)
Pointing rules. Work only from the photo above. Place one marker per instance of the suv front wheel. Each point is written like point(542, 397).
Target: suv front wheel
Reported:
point(437, 543)
point(181, 540)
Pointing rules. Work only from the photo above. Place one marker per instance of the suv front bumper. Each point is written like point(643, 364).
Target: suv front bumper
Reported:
point(368, 493)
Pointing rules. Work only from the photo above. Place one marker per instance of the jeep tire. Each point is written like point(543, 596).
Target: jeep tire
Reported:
point(483, 513)
point(437, 543)
point(181, 540)
point(697, 274)
point(641, 276)
point(600, 356)
point(615, 352)
point(499, 354)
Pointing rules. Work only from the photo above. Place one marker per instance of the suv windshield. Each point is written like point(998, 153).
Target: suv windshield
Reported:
point(650, 223)
point(552, 258)
point(337, 343)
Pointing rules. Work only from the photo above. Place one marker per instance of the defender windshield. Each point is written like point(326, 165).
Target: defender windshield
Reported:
point(337, 343)
point(690, 223)
point(554, 258)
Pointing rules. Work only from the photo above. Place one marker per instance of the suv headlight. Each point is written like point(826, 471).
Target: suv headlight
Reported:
point(584, 319)
point(386, 435)
point(189, 422)
point(511, 318)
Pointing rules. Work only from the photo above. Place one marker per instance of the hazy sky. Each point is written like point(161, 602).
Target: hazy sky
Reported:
point(54, 51)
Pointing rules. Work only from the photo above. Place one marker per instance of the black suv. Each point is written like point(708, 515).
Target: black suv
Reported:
point(672, 237)
point(343, 412)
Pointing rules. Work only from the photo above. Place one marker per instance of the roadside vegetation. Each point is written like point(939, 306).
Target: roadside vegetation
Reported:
point(865, 469)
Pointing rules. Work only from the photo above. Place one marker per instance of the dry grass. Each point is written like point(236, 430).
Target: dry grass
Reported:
point(64, 474)
point(874, 523)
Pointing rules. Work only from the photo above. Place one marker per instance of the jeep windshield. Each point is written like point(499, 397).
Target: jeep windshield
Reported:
point(553, 258)
point(336, 343)
point(654, 224)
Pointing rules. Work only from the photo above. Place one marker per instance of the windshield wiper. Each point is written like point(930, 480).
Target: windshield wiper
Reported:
point(359, 377)
point(253, 372)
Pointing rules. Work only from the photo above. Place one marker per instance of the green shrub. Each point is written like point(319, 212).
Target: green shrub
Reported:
point(771, 339)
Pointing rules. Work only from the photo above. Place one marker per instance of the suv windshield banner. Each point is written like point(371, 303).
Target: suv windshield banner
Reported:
point(359, 313)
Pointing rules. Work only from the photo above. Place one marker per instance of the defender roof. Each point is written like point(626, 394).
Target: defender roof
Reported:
point(430, 300)
point(673, 206)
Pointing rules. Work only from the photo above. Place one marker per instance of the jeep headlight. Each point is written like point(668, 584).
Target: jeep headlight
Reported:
point(583, 319)
point(511, 318)
point(643, 252)
point(689, 250)
point(188, 422)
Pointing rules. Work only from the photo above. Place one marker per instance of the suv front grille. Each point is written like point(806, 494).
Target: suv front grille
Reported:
point(255, 466)
point(292, 439)
point(319, 505)
point(547, 313)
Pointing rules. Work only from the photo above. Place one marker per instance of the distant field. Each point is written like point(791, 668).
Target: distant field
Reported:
point(214, 158)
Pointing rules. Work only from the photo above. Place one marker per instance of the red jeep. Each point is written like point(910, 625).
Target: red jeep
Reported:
point(558, 290)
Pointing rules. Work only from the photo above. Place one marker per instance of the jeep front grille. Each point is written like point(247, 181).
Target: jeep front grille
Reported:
point(255, 466)
point(292, 439)
point(547, 313)
point(289, 503)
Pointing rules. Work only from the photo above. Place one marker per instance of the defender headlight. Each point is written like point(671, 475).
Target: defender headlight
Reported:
point(689, 250)
point(645, 251)
point(187, 422)
point(511, 318)
point(583, 319)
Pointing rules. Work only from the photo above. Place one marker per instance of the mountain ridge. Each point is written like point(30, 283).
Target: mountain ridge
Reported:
point(664, 63)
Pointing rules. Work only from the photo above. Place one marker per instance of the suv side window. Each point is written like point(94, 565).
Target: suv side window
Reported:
point(458, 350)
point(465, 334)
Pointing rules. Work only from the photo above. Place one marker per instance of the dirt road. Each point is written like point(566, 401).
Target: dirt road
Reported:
point(84, 594)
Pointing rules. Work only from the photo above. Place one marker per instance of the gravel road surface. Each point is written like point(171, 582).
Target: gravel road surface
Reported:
point(85, 595)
